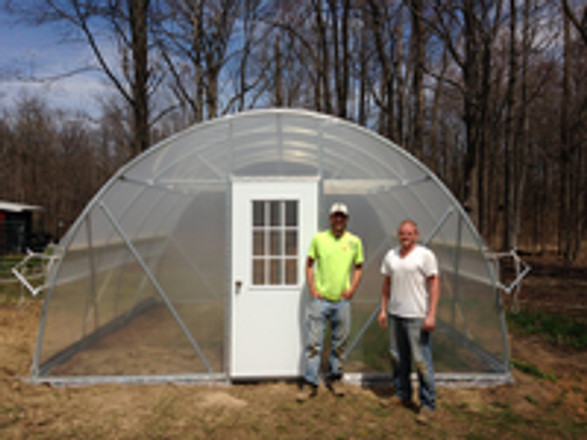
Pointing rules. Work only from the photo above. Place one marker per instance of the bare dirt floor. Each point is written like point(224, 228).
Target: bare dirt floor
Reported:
point(549, 405)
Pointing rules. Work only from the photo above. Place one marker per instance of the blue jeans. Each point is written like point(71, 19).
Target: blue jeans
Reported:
point(319, 312)
point(408, 341)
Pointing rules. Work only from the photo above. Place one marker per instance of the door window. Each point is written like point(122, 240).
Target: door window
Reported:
point(275, 242)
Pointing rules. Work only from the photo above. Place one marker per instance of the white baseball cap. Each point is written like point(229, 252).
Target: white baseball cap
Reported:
point(339, 207)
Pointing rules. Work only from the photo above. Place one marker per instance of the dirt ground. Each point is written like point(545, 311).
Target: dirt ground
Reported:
point(549, 407)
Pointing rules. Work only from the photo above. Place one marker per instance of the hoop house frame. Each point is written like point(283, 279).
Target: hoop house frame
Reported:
point(144, 288)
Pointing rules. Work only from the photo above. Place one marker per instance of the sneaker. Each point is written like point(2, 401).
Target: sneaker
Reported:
point(425, 415)
point(306, 391)
point(335, 387)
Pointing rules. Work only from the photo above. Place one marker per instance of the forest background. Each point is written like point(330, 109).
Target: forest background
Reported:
point(489, 94)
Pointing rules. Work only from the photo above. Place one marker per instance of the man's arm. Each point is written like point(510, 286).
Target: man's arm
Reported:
point(434, 293)
point(357, 275)
point(310, 277)
point(385, 292)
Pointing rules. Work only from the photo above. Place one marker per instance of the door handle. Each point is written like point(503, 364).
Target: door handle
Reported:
point(237, 286)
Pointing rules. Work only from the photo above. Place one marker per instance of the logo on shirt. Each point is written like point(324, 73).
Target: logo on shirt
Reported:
point(352, 245)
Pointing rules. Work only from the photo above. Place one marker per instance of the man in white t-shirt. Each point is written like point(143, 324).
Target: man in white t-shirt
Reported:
point(409, 299)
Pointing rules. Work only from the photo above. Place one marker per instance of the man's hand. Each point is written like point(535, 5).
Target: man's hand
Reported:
point(310, 278)
point(347, 294)
point(385, 292)
point(382, 319)
point(357, 274)
point(429, 323)
point(434, 289)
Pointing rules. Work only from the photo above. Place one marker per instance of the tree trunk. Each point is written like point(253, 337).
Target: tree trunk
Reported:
point(198, 34)
point(524, 145)
point(387, 113)
point(363, 60)
point(401, 84)
point(565, 220)
point(510, 138)
point(278, 100)
point(418, 76)
point(138, 11)
point(323, 67)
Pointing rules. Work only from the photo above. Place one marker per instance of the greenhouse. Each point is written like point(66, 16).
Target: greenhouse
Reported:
point(188, 264)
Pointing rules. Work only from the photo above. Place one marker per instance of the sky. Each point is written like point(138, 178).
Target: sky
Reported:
point(28, 52)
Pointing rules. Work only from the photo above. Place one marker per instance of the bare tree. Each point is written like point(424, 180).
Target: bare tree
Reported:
point(278, 100)
point(137, 20)
point(193, 39)
point(510, 135)
point(51, 162)
point(363, 75)
point(340, 43)
point(293, 28)
point(581, 26)
point(381, 25)
point(417, 55)
point(572, 179)
point(475, 24)
point(127, 21)
point(439, 148)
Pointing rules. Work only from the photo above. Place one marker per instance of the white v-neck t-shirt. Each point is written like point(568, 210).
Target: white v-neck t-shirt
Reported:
point(409, 286)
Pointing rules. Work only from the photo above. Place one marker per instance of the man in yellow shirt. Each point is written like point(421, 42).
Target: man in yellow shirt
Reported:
point(331, 256)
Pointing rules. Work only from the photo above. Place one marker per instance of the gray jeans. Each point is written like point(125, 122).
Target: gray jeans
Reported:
point(407, 342)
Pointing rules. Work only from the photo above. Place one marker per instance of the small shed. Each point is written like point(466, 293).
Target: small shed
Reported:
point(188, 264)
point(16, 223)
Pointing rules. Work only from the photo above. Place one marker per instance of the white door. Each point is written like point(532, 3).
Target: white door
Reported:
point(272, 225)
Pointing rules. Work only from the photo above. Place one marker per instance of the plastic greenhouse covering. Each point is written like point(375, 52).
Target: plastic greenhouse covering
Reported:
point(143, 288)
